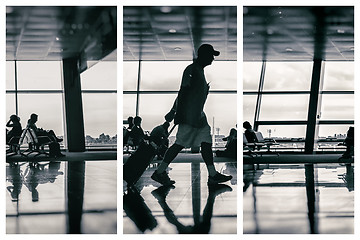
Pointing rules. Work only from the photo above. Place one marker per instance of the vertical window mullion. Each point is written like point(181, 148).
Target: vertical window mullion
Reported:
point(16, 89)
point(259, 96)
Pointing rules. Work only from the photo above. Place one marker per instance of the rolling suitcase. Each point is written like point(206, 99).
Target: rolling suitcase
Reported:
point(139, 161)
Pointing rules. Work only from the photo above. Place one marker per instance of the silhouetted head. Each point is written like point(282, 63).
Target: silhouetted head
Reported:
point(130, 121)
point(137, 121)
point(206, 54)
point(166, 125)
point(247, 125)
point(34, 117)
point(14, 118)
point(233, 132)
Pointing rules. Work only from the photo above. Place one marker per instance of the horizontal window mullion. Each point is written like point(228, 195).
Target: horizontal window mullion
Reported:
point(57, 91)
point(335, 122)
point(337, 92)
point(295, 92)
point(175, 92)
point(281, 122)
point(34, 91)
point(276, 92)
point(98, 91)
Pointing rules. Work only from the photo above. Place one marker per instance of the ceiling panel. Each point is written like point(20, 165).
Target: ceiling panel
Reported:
point(50, 33)
point(176, 32)
point(298, 33)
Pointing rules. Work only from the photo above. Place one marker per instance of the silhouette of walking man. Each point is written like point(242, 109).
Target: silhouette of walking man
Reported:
point(193, 129)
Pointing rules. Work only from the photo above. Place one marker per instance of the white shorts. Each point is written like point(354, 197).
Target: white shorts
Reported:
point(188, 136)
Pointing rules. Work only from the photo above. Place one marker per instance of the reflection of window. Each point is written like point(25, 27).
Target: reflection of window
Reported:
point(251, 75)
point(33, 75)
point(162, 76)
point(283, 131)
point(130, 75)
point(99, 114)
point(10, 75)
point(249, 104)
point(337, 107)
point(287, 76)
point(339, 76)
point(48, 107)
point(101, 76)
point(284, 107)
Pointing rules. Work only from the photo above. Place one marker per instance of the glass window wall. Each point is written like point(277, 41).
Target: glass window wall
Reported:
point(153, 77)
point(39, 75)
point(339, 76)
point(287, 76)
point(251, 75)
point(10, 75)
point(337, 107)
point(130, 75)
point(284, 107)
point(288, 104)
point(99, 98)
point(101, 76)
point(39, 91)
point(158, 92)
point(48, 107)
point(249, 105)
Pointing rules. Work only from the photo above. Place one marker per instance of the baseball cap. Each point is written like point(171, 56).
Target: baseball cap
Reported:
point(206, 49)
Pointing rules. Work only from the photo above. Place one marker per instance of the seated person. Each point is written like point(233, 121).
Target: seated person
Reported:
point(54, 146)
point(127, 130)
point(130, 121)
point(137, 134)
point(159, 135)
point(39, 131)
point(249, 133)
point(231, 145)
point(16, 130)
point(349, 143)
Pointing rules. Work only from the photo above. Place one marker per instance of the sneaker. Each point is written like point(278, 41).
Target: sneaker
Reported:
point(217, 189)
point(162, 178)
point(59, 155)
point(218, 178)
point(161, 192)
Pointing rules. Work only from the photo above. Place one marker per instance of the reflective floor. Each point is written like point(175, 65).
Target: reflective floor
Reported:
point(188, 207)
point(61, 197)
point(298, 198)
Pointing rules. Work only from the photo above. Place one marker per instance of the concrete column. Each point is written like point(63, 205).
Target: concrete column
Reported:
point(73, 106)
point(75, 195)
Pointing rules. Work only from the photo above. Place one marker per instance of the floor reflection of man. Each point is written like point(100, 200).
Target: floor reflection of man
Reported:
point(31, 179)
point(202, 226)
point(36, 173)
point(136, 209)
point(14, 176)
